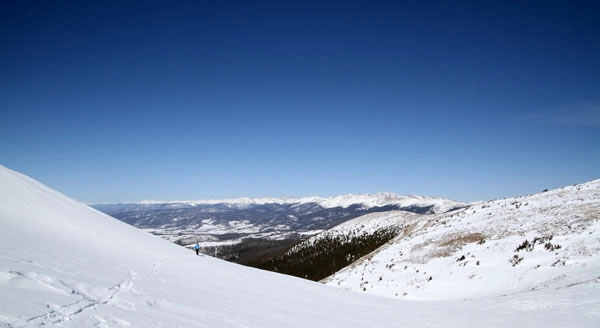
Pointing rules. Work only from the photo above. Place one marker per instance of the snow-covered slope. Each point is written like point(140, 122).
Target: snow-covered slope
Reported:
point(366, 225)
point(64, 264)
point(548, 241)
point(438, 205)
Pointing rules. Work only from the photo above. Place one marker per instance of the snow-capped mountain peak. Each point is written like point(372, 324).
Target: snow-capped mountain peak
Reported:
point(344, 201)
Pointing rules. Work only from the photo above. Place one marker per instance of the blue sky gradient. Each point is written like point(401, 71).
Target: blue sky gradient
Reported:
point(131, 100)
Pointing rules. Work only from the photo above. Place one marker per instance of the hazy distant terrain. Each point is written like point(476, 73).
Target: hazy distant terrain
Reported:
point(244, 229)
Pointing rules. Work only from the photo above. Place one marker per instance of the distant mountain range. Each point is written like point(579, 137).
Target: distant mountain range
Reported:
point(215, 222)
point(367, 201)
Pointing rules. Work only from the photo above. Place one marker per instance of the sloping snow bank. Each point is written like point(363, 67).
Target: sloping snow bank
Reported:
point(64, 264)
point(547, 241)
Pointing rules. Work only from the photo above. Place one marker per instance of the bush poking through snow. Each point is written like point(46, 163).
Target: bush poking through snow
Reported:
point(551, 247)
point(527, 246)
point(515, 260)
point(541, 240)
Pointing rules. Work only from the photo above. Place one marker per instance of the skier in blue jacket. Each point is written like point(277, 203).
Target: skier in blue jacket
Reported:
point(197, 247)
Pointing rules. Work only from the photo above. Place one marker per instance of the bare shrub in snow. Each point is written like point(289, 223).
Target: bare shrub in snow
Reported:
point(515, 260)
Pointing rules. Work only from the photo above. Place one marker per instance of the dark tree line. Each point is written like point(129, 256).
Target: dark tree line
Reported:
point(327, 255)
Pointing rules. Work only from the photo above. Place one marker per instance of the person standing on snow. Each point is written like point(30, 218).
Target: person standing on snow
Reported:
point(197, 247)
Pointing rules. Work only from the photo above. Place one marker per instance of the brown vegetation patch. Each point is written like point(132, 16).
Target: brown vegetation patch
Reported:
point(458, 240)
point(448, 245)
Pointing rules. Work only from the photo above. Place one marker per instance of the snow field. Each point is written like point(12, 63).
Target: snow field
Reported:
point(467, 254)
point(64, 264)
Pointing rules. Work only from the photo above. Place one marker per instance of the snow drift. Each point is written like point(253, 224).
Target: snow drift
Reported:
point(64, 264)
point(549, 240)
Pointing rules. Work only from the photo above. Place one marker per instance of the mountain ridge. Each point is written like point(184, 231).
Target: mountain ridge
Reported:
point(218, 225)
point(344, 201)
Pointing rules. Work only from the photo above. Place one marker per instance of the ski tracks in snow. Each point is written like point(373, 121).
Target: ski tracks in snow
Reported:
point(90, 297)
point(83, 296)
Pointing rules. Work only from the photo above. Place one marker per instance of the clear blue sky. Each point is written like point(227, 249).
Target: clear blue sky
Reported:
point(132, 100)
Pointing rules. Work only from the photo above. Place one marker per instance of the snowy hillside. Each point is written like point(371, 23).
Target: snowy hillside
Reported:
point(367, 224)
point(548, 241)
point(332, 250)
point(64, 264)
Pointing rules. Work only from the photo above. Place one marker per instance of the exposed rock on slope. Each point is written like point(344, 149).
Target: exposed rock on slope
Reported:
point(546, 240)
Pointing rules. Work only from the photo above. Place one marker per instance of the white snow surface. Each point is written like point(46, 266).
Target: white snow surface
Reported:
point(344, 201)
point(65, 264)
point(426, 261)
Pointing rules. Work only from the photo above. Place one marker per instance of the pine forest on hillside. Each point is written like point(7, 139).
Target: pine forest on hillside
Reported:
point(328, 254)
